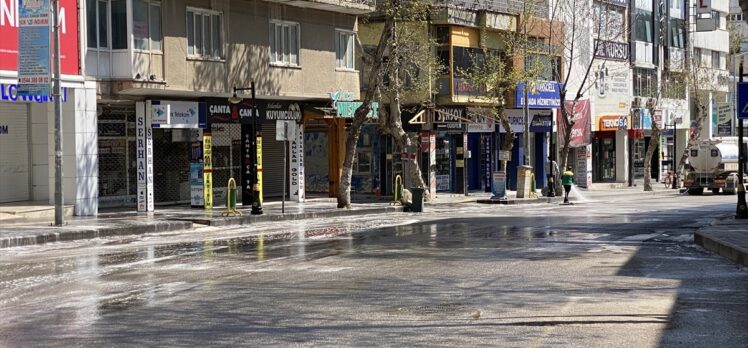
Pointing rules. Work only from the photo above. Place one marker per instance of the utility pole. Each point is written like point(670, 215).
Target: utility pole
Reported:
point(59, 213)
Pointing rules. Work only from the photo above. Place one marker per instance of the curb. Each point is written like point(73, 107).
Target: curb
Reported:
point(248, 219)
point(718, 241)
point(53, 235)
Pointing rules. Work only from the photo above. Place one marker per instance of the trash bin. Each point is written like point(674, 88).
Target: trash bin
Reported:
point(417, 194)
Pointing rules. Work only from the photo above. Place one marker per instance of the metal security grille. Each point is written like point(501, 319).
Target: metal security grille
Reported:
point(227, 154)
point(14, 152)
point(116, 141)
point(272, 162)
point(171, 165)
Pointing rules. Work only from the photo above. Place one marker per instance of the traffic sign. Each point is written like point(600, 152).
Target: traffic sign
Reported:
point(742, 100)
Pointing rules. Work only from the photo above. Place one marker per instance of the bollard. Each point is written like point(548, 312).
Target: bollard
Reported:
point(398, 191)
point(231, 193)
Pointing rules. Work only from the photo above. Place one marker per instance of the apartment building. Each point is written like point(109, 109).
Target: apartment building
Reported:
point(164, 72)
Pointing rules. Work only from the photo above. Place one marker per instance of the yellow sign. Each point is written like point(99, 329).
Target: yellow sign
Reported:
point(459, 163)
point(208, 171)
point(259, 169)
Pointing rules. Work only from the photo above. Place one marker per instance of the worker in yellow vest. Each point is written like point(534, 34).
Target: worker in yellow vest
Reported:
point(567, 179)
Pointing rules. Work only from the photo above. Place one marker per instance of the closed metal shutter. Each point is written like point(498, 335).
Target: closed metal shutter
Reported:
point(14, 152)
point(272, 162)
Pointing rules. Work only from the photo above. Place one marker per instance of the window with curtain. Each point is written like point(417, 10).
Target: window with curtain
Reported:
point(345, 42)
point(106, 24)
point(146, 24)
point(204, 34)
point(643, 26)
point(284, 43)
point(677, 33)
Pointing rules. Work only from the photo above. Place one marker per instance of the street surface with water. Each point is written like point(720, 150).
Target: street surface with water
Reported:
point(605, 272)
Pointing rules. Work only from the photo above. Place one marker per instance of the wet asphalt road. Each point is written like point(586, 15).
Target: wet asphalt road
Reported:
point(621, 273)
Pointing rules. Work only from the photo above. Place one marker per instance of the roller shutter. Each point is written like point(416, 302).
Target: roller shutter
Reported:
point(272, 162)
point(14, 152)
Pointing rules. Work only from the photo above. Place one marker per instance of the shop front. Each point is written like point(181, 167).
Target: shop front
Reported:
point(607, 148)
point(451, 134)
point(540, 127)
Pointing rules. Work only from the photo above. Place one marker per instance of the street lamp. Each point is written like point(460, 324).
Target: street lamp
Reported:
point(235, 99)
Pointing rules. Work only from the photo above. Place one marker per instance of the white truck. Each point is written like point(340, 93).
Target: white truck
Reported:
point(713, 165)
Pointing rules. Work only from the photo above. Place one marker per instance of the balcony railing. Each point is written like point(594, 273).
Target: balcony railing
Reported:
point(356, 7)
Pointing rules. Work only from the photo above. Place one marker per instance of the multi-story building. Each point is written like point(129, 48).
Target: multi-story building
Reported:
point(460, 138)
point(166, 68)
point(27, 145)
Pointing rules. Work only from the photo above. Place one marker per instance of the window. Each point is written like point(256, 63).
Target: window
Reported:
point(715, 59)
point(146, 24)
point(546, 67)
point(645, 82)
point(345, 49)
point(204, 33)
point(284, 43)
point(643, 26)
point(106, 24)
point(677, 33)
point(610, 21)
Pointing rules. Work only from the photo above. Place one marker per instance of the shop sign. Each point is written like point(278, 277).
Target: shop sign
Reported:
point(449, 115)
point(580, 132)
point(541, 95)
point(442, 182)
point(612, 50)
point(221, 111)
point(11, 15)
point(613, 123)
point(296, 169)
point(516, 120)
point(144, 158)
point(247, 164)
point(541, 123)
point(34, 57)
point(724, 119)
point(282, 111)
point(9, 93)
point(178, 114)
point(481, 120)
point(348, 109)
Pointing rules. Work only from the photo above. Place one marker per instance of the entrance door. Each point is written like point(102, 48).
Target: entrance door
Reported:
point(473, 163)
point(14, 152)
point(604, 161)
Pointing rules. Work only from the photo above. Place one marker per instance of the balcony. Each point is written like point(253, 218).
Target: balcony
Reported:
point(352, 7)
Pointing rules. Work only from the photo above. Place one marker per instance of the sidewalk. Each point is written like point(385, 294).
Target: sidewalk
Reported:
point(128, 222)
point(726, 237)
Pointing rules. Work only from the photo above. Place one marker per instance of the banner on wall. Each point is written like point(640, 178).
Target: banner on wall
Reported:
point(34, 57)
point(581, 129)
point(9, 32)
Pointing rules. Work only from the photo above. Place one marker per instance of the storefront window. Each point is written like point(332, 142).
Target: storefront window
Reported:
point(604, 150)
point(443, 162)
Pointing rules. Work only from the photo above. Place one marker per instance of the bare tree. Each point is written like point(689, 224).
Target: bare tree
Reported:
point(393, 12)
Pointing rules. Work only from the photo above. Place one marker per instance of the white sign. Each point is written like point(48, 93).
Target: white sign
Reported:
point(180, 114)
point(160, 114)
point(285, 130)
point(505, 155)
point(144, 156)
point(296, 169)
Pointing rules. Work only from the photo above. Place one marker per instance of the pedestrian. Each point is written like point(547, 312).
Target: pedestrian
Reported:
point(567, 180)
point(551, 169)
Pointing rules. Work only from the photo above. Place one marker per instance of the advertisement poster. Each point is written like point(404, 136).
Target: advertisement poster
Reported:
point(583, 169)
point(197, 192)
point(724, 119)
point(499, 185)
point(541, 95)
point(34, 21)
point(10, 11)
point(580, 131)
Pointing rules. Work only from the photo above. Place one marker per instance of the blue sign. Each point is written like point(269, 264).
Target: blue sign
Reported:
point(9, 93)
point(742, 106)
point(541, 95)
point(541, 124)
point(34, 33)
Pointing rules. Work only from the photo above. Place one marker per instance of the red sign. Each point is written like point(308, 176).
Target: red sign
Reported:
point(68, 39)
point(581, 116)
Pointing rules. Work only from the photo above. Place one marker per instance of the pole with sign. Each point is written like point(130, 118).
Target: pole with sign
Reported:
point(285, 131)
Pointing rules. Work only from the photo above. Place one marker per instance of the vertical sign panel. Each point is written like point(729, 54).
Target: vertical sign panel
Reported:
point(144, 158)
point(33, 47)
point(258, 137)
point(208, 170)
point(247, 164)
point(296, 169)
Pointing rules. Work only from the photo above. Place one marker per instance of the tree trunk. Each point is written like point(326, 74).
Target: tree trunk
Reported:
point(508, 143)
point(566, 148)
point(654, 142)
point(391, 123)
point(353, 133)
